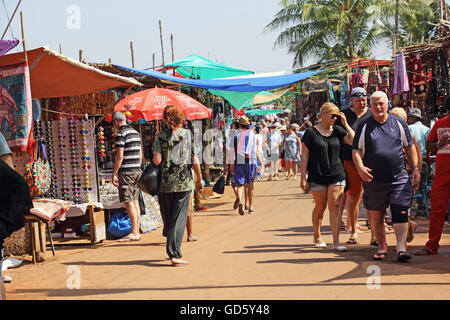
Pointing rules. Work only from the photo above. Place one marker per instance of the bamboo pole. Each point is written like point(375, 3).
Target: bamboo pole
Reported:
point(10, 20)
point(23, 38)
point(162, 43)
point(173, 53)
point(132, 54)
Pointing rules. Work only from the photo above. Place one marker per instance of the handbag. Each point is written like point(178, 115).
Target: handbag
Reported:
point(38, 173)
point(120, 225)
point(150, 180)
point(219, 186)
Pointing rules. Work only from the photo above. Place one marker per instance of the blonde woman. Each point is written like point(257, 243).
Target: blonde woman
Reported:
point(321, 163)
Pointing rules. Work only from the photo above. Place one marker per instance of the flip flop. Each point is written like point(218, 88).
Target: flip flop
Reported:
point(379, 256)
point(375, 243)
point(130, 238)
point(352, 241)
point(424, 252)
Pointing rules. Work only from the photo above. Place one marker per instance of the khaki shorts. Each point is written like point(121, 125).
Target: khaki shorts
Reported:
point(128, 190)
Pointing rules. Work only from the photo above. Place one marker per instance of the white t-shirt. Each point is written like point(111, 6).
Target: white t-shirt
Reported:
point(259, 143)
point(275, 141)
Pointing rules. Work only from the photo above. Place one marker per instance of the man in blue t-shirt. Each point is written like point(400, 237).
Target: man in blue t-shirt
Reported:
point(378, 155)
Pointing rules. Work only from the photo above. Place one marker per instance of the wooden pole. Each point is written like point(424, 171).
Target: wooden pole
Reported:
point(10, 20)
point(23, 38)
point(173, 53)
point(110, 61)
point(60, 48)
point(132, 54)
point(154, 57)
point(81, 55)
point(162, 43)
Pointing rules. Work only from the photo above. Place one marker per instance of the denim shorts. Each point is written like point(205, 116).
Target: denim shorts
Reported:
point(319, 187)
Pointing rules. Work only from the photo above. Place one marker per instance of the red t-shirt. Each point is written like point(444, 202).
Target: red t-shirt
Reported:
point(441, 127)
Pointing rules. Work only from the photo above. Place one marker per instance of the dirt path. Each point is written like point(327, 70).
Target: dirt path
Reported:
point(267, 255)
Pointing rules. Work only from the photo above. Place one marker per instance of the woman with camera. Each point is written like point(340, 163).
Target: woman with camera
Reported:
point(322, 170)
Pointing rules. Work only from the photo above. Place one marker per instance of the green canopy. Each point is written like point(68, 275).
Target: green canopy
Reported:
point(259, 112)
point(197, 67)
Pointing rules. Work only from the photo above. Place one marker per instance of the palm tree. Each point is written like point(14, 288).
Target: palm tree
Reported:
point(326, 30)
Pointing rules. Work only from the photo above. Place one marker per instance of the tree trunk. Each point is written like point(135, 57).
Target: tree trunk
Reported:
point(351, 49)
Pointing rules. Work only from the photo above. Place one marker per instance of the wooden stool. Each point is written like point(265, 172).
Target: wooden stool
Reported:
point(30, 220)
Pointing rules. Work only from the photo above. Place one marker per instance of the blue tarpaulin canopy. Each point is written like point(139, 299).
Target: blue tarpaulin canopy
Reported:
point(238, 85)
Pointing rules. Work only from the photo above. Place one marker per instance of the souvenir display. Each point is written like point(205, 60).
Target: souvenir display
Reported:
point(71, 155)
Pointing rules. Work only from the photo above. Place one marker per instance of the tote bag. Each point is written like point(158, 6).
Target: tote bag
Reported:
point(38, 173)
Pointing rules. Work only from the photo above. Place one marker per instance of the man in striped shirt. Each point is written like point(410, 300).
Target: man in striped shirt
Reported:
point(127, 171)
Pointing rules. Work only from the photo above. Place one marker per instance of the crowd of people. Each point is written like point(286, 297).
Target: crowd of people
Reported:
point(373, 154)
point(370, 154)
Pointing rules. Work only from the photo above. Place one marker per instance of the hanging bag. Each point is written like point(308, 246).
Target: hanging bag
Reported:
point(219, 186)
point(150, 179)
point(38, 173)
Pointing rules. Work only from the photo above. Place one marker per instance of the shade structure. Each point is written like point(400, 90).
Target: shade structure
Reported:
point(149, 105)
point(53, 75)
point(239, 85)
point(260, 112)
point(197, 67)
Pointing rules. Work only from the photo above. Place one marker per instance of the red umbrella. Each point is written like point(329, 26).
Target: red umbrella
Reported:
point(149, 105)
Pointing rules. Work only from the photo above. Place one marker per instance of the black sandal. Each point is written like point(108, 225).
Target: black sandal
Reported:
point(352, 241)
point(403, 256)
point(375, 243)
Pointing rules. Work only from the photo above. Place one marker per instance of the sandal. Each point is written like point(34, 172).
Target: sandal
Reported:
point(352, 241)
point(424, 252)
point(374, 243)
point(380, 256)
point(403, 256)
point(251, 211)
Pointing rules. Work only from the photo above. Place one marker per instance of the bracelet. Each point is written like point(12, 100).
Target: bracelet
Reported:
point(415, 169)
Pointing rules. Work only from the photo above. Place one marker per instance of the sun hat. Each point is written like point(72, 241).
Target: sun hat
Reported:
point(243, 120)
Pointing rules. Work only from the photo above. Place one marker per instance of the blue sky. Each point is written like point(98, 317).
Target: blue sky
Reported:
point(229, 31)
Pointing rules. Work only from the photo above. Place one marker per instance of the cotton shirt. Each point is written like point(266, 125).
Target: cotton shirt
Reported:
point(353, 121)
point(130, 140)
point(245, 150)
point(275, 140)
point(382, 148)
point(420, 132)
point(440, 128)
point(4, 148)
point(177, 151)
point(325, 166)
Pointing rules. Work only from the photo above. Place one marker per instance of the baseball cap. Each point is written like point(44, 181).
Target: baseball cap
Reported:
point(358, 92)
point(415, 112)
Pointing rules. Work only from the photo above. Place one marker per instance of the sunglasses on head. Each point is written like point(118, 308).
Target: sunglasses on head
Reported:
point(359, 95)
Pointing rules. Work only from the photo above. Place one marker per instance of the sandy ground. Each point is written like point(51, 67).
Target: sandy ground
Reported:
point(268, 255)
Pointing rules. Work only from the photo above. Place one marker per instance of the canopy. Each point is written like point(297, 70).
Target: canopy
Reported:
point(197, 67)
point(149, 105)
point(260, 112)
point(6, 45)
point(54, 75)
point(240, 85)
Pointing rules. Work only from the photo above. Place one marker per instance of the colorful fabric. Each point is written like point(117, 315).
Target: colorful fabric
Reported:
point(16, 106)
point(401, 83)
point(6, 45)
point(38, 176)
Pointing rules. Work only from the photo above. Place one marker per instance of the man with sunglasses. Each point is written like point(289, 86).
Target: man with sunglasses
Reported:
point(357, 113)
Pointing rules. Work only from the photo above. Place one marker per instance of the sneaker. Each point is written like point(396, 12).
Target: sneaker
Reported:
point(192, 239)
point(340, 248)
point(320, 245)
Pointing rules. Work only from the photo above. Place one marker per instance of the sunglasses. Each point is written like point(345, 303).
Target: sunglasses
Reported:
point(335, 116)
point(359, 95)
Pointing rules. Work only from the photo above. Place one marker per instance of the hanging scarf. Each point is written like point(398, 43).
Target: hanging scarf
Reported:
point(401, 83)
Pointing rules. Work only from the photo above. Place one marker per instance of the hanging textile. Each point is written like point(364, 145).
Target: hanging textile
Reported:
point(7, 45)
point(16, 109)
point(401, 83)
point(416, 76)
point(345, 96)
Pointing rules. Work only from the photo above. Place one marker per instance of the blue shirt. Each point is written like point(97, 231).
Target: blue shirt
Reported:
point(4, 148)
point(420, 132)
point(382, 148)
